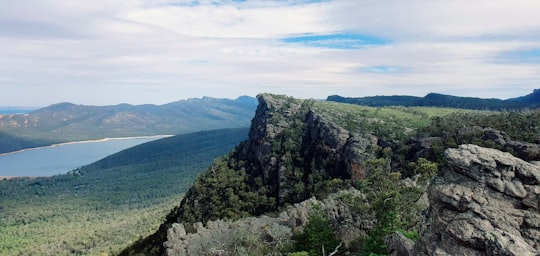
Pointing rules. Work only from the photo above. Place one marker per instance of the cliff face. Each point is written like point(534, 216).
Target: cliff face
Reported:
point(290, 143)
point(293, 152)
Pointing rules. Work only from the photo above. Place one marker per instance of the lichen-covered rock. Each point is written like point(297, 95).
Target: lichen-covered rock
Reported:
point(486, 203)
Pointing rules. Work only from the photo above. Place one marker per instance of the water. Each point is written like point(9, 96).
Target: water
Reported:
point(59, 159)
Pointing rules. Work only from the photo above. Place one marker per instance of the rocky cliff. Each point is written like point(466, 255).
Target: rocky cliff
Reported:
point(293, 152)
point(486, 202)
point(302, 153)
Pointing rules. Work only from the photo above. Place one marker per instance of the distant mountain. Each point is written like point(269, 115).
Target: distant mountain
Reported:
point(532, 98)
point(441, 100)
point(65, 122)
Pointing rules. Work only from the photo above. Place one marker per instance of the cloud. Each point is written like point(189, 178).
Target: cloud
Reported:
point(156, 51)
point(441, 19)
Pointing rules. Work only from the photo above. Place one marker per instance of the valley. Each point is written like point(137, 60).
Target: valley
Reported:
point(102, 207)
point(371, 179)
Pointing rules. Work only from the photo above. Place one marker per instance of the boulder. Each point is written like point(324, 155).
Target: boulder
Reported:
point(485, 203)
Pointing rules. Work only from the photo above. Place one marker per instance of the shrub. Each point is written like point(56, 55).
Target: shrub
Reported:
point(318, 235)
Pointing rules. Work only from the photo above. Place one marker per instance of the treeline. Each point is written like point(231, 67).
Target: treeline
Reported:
point(440, 100)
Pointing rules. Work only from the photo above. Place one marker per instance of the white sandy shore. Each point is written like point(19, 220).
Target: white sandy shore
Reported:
point(87, 141)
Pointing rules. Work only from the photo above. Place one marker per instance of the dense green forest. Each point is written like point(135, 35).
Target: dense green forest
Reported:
point(529, 101)
point(100, 208)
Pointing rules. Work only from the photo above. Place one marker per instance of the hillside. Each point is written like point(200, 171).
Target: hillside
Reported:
point(529, 101)
point(371, 171)
point(102, 207)
point(65, 122)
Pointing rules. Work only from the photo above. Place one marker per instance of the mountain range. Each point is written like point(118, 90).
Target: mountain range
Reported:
point(65, 122)
point(530, 101)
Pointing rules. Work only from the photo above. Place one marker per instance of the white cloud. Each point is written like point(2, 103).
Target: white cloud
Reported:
point(105, 52)
point(441, 18)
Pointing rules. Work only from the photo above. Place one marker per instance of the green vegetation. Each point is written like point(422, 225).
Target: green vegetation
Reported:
point(392, 203)
point(226, 194)
point(101, 208)
point(388, 123)
point(317, 238)
point(76, 226)
point(463, 127)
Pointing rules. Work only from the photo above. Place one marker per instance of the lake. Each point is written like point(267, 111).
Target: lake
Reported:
point(61, 158)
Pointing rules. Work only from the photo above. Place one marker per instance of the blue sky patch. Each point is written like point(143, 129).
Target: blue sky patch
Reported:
point(337, 41)
point(382, 69)
point(521, 56)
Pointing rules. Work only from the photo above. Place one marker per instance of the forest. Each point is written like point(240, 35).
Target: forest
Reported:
point(101, 208)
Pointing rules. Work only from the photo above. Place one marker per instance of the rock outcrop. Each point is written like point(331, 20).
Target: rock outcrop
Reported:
point(523, 150)
point(284, 127)
point(254, 235)
point(486, 203)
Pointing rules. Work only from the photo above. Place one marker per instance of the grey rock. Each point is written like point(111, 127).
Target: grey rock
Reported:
point(399, 245)
point(524, 150)
point(251, 234)
point(485, 203)
point(321, 140)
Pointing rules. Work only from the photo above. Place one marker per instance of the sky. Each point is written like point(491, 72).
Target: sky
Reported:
point(105, 52)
